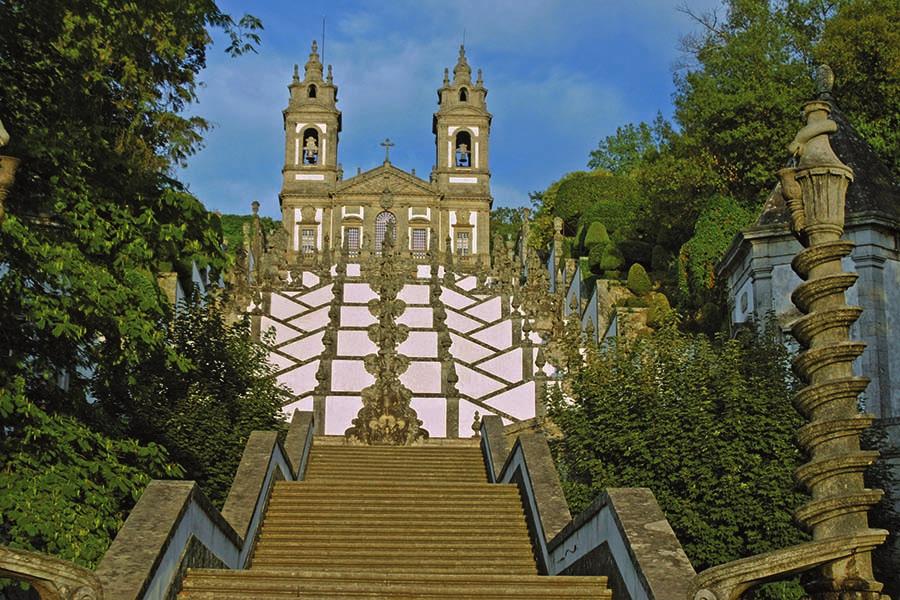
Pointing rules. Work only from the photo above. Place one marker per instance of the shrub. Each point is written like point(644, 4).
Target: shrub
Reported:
point(638, 280)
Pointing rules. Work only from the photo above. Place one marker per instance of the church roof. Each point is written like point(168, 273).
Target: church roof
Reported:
point(385, 177)
point(873, 189)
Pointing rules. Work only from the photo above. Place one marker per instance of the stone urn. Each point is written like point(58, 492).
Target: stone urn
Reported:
point(8, 166)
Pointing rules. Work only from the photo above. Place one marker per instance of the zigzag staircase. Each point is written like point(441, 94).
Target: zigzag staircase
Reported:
point(392, 522)
point(492, 357)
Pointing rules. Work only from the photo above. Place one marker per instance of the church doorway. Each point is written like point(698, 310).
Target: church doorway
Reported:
point(383, 221)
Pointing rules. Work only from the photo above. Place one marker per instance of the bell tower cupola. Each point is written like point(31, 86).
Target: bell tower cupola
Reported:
point(312, 125)
point(461, 128)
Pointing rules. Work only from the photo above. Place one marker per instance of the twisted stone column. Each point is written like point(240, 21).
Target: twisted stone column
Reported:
point(815, 190)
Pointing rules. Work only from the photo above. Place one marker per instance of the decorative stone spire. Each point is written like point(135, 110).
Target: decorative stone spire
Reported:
point(296, 77)
point(446, 76)
point(479, 81)
point(313, 67)
point(838, 560)
point(462, 72)
point(330, 77)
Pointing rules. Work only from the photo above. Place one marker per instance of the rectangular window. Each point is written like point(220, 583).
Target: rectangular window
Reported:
point(419, 239)
point(462, 243)
point(308, 240)
point(352, 234)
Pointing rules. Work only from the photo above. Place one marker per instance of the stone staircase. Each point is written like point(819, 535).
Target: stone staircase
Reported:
point(388, 522)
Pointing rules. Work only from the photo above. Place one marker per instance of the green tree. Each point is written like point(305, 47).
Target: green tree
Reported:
point(861, 43)
point(203, 408)
point(631, 145)
point(739, 101)
point(64, 488)
point(92, 97)
point(708, 425)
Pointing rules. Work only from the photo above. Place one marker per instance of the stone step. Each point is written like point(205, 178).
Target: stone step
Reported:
point(312, 535)
point(410, 564)
point(354, 486)
point(429, 502)
point(340, 527)
point(202, 584)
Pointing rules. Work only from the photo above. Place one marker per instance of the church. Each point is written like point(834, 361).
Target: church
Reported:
point(323, 210)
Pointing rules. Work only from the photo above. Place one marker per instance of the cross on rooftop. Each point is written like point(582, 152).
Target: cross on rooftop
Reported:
point(388, 144)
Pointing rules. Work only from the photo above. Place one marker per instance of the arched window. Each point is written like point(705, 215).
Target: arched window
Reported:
point(311, 91)
point(463, 95)
point(463, 149)
point(383, 221)
point(311, 146)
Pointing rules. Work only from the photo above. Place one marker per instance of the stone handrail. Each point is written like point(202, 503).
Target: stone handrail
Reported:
point(174, 527)
point(52, 578)
point(623, 535)
point(529, 465)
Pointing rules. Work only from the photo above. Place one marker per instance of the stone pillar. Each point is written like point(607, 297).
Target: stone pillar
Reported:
point(815, 191)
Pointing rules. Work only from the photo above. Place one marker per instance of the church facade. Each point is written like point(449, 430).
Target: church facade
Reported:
point(323, 210)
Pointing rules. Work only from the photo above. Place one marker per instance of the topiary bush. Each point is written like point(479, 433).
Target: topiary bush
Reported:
point(659, 309)
point(594, 234)
point(638, 280)
point(605, 257)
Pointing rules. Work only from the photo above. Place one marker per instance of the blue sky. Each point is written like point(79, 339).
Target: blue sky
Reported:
point(561, 76)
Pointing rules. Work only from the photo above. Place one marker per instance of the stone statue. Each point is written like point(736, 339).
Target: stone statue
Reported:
point(311, 150)
point(462, 155)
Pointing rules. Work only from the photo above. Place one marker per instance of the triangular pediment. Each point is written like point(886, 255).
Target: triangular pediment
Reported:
point(386, 176)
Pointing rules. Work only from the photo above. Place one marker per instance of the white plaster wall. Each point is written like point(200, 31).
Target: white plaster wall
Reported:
point(284, 308)
point(420, 344)
point(303, 404)
point(433, 414)
point(489, 310)
point(349, 375)
point(282, 332)
point(467, 350)
point(517, 402)
point(423, 377)
point(356, 316)
point(318, 297)
point(355, 343)
point(454, 299)
point(312, 320)
point(301, 380)
point(508, 365)
point(474, 384)
point(499, 336)
point(417, 316)
point(340, 412)
point(305, 348)
point(459, 322)
point(415, 294)
point(358, 293)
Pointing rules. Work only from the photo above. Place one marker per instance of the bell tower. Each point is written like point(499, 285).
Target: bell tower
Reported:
point(312, 126)
point(461, 128)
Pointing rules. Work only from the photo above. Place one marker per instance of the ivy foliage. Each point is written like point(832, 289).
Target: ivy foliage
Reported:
point(707, 425)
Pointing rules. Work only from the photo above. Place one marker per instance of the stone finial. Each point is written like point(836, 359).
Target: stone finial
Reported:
point(254, 206)
point(446, 76)
point(824, 78)
point(296, 77)
point(313, 69)
point(330, 77)
point(476, 424)
point(462, 72)
point(479, 81)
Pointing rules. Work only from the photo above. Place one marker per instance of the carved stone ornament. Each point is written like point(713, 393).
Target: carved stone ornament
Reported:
point(386, 417)
point(308, 214)
point(53, 578)
point(387, 199)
